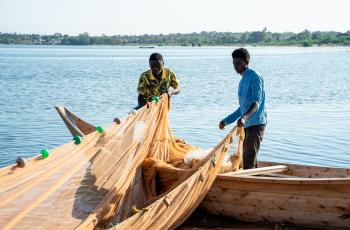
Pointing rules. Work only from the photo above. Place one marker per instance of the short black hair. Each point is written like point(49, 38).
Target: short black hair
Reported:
point(241, 53)
point(156, 57)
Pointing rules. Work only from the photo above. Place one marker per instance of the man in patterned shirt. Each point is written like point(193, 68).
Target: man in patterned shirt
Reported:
point(156, 81)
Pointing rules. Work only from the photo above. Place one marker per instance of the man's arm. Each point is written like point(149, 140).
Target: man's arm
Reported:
point(252, 109)
point(174, 91)
point(230, 118)
point(257, 91)
point(175, 84)
point(142, 86)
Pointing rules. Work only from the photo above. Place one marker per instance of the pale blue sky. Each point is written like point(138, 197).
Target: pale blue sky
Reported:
point(163, 16)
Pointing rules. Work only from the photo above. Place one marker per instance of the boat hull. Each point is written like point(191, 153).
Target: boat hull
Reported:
point(320, 202)
point(307, 196)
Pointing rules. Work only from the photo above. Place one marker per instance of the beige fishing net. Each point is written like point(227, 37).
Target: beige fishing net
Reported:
point(135, 175)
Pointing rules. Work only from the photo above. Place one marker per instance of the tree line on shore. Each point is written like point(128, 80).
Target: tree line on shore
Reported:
point(264, 37)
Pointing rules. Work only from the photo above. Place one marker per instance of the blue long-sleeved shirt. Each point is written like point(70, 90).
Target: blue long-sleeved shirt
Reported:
point(250, 90)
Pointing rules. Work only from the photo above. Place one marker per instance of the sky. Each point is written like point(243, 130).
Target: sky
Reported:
point(135, 17)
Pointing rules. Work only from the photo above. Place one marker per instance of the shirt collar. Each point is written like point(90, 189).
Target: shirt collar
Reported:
point(154, 78)
point(245, 72)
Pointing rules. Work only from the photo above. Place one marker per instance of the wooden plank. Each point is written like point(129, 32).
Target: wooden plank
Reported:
point(308, 171)
point(248, 175)
point(73, 129)
point(280, 175)
point(322, 190)
point(280, 201)
point(255, 171)
point(75, 125)
point(254, 214)
point(289, 180)
point(320, 172)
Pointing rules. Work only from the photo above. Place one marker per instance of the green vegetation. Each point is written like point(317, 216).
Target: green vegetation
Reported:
point(260, 38)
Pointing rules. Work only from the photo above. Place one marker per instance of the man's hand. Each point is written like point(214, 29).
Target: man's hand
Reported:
point(222, 125)
point(241, 121)
point(172, 92)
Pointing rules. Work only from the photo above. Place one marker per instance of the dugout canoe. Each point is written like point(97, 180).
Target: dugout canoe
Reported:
point(130, 175)
point(301, 195)
point(307, 196)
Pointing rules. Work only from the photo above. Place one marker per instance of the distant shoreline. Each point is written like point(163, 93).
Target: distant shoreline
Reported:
point(178, 46)
point(256, 38)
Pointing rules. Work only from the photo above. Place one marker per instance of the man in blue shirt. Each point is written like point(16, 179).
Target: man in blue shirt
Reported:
point(251, 111)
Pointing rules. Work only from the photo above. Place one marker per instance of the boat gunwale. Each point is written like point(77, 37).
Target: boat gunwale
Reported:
point(278, 180)
point(293, 180)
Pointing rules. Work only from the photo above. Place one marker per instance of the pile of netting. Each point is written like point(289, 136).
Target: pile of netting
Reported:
point(135, 175)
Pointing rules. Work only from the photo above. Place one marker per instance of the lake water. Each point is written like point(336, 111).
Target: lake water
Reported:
point(307, 96)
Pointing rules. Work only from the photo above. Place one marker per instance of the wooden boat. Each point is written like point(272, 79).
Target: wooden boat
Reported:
point(131, 174)
point(308, 196)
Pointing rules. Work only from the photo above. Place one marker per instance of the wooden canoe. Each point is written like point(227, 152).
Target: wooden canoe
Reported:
point(308, 196)
point(130, 175)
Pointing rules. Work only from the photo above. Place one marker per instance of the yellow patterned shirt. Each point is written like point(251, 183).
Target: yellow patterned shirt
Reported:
point(149, 86)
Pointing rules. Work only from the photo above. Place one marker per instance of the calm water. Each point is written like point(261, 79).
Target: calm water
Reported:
point(308, 95)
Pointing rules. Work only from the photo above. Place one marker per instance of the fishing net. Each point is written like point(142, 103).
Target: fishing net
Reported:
point(135, 174)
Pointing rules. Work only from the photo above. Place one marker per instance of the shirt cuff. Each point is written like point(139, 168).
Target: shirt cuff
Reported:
point(257, 104)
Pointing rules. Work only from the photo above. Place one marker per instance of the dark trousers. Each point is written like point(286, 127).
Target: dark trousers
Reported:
point(140, 101)
point(253, 137)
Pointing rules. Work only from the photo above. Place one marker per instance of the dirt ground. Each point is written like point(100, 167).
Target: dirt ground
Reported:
point(200, 220)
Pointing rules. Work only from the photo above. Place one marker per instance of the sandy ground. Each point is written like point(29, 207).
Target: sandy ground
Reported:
point(200, 220)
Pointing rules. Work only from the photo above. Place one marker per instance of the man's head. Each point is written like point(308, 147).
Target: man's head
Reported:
point(240, 59)
point(156, 63)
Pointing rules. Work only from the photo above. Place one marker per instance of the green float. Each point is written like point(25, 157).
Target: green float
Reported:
point(99, 129)
point(77, 140)
point(44, 153)
point(155, 98)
